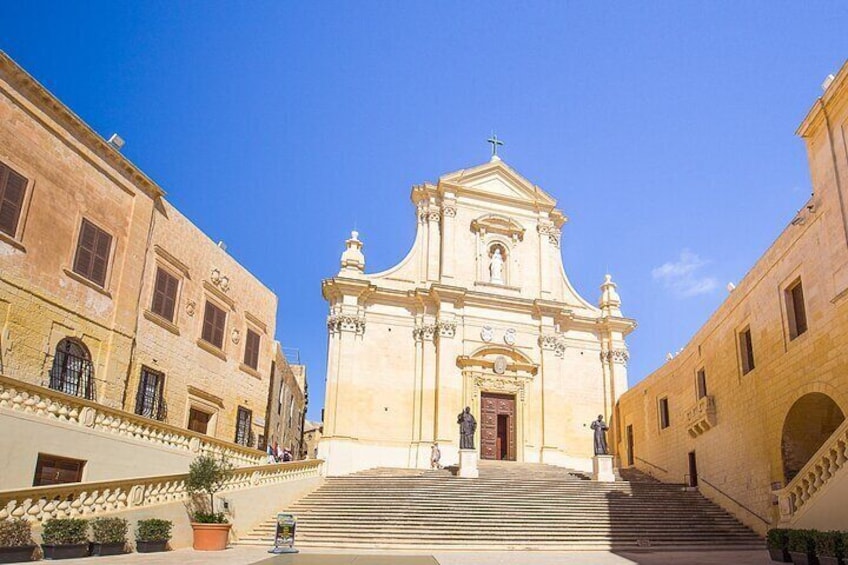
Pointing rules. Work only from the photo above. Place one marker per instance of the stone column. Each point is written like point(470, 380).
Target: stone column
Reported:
point(448, 221)
point(433, 244)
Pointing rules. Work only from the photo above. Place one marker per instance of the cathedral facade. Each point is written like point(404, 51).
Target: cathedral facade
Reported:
point(480, 313)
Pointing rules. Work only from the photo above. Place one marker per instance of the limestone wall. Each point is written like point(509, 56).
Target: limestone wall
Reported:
point(739, 447)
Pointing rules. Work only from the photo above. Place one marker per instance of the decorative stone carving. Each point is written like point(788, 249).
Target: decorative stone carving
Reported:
point(620, 356)
point(219, 280)
point(500, 365)
point(434, 216)
point(190, 308)
point(496, 267)
point(509, 336)
point(338, 323)
point(235, 335)
point(449, 210)
point(487, 333)
point(447, 329)
point(549, 230)
point(422, 213)
point(552, 342)
point(507, 385)
point(425, 332)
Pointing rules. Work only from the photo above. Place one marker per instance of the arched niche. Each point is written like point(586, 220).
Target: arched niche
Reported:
point(811, 420)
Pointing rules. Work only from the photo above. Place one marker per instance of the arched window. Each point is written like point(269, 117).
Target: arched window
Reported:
point(72, 371)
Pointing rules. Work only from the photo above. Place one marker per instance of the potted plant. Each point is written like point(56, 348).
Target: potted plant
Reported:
point(207, 475)
point(777, 541)
point(65, 538)
point(16, 541)
point(109, 536)
point(802, 547)
point(829, 548)
point(152, 535)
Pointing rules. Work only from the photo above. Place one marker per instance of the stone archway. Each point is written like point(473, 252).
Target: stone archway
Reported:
point(812, 419)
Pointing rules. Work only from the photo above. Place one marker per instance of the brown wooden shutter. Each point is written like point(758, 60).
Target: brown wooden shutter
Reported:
point(164, 294)
point(92, 257)
point(214, 320)
point(12, 190)
point(251, 349)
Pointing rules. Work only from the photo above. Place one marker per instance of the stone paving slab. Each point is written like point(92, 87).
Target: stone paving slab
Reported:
point(246, 555)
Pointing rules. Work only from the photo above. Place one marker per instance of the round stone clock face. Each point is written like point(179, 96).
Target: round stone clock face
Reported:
point(487, 333)
point(509, 336)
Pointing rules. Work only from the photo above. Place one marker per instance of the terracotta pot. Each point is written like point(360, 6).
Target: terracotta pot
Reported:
point(16, 554)
point(211, 537)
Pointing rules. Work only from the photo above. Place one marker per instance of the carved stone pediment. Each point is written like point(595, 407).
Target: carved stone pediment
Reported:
point(503, 225)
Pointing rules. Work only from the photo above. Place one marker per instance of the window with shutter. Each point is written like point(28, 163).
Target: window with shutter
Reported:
point(251, 349)
point(164, 294)
point(214, 320)
point(92, 256)
point(746, 351)
point(12, 190)
point(149, 401)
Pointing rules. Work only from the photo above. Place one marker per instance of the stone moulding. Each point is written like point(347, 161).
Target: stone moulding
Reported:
point(701, 417)
point(73, 500)
point(552, 342)
point(823, 466)
point(17, 396)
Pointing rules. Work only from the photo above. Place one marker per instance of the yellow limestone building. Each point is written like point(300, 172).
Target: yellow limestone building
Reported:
point(480, 313)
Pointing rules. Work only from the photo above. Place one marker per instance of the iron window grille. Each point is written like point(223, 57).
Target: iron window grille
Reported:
point(150, 401)
point(243, 431)
point(72, 371)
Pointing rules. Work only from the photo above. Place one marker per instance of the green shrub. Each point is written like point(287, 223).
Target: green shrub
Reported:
point(15, 532)
point(65, 531)
point(208, 475)
point(777, 538)
point(109, 530)
point(829, 544)
point(153, 529)
point(802, 541)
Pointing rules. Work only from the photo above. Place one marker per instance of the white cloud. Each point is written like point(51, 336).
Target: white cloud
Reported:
point(684, 276)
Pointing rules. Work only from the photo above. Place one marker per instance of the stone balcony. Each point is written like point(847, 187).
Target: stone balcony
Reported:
point(701, 417)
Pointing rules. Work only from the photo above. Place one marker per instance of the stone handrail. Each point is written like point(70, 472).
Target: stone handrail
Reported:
point(87, 500)
point(815, 474)
point(32, 399)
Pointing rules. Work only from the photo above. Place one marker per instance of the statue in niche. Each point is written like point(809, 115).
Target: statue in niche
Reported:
point(467, 427)
point(496, 267)
point(600, 427)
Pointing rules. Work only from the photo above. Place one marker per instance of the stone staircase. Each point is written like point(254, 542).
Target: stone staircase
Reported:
point(511, 506)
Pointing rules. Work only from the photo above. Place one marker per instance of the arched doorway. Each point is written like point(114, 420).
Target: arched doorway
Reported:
point(72, 371)
point(811, 420)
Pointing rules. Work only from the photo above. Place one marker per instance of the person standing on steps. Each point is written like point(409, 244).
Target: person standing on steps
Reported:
point(435, 457)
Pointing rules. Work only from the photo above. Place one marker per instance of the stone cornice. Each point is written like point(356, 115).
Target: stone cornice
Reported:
point(623, 325)
point(46, 102)
point(835, 94)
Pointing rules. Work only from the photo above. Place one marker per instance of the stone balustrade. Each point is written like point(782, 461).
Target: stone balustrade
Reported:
point(830, 458)
point(36, 400)
point(701, 417)
point(87, 500)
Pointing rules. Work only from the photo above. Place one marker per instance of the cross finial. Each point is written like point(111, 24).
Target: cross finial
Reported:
point(495, 143)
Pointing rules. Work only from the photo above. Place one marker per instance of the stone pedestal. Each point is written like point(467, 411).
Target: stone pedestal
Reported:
point(468, 464)
point(602, 469)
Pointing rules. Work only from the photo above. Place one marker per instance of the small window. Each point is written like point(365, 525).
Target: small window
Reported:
point(53, 470)
point(164, 294)
point(664, 419)
point(796, 310)
point(746, 351)
point(12, 190)
point(214, 320)
point(198, 420)
point(92, 256)
point(243, 432)
point(251, 349)
point(149, 401)
point(702, 384)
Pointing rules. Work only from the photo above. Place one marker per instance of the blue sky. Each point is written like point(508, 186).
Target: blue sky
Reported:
point(664, 129)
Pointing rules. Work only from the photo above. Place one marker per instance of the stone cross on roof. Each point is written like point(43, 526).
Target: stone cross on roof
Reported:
point(495, 142)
